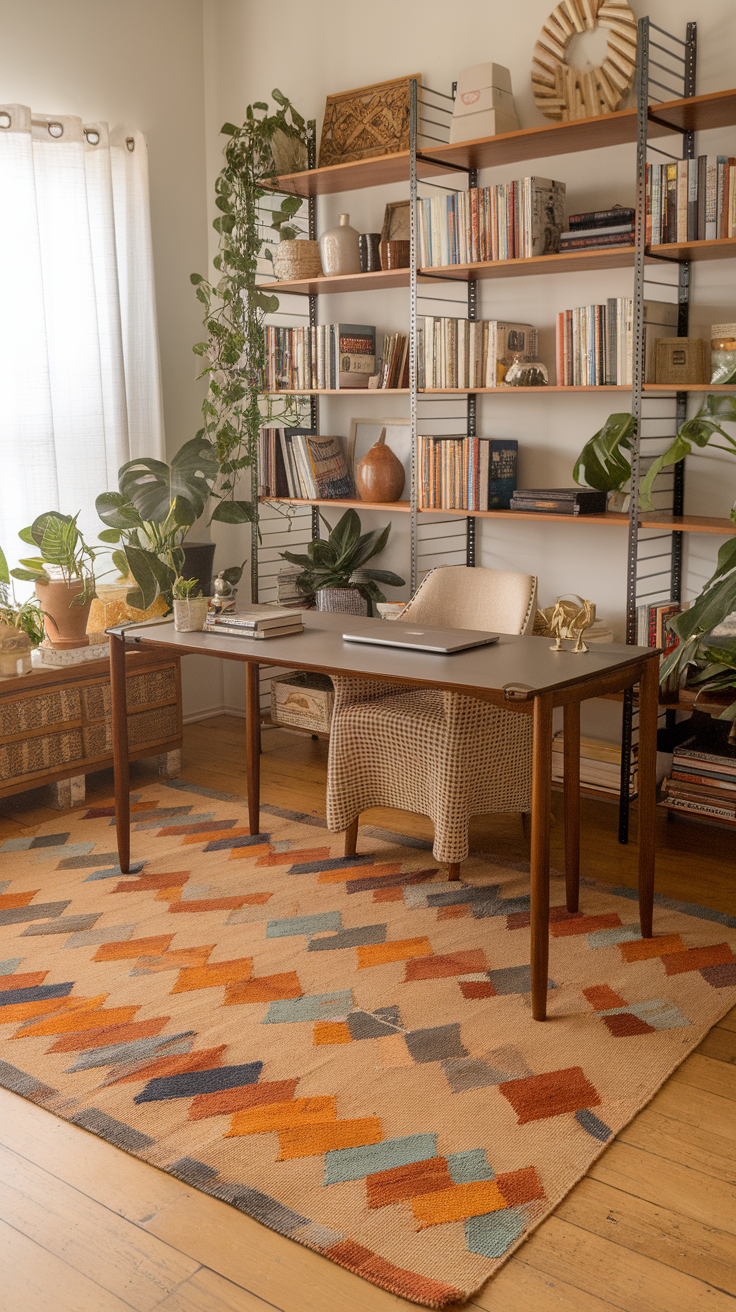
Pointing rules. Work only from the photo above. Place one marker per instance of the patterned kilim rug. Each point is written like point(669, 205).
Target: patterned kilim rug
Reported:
point(343, 1049)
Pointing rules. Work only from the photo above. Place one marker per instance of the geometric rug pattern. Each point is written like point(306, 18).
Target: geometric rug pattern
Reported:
point(341, 1048)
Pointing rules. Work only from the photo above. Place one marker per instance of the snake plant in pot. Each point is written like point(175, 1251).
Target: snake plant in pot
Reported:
point(333, 568)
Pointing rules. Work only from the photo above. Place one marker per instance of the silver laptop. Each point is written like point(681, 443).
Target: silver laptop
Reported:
point(396, 633)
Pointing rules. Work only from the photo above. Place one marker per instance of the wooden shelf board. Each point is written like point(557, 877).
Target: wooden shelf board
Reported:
point(499, 391)
point(696, 113)
point(612, 519)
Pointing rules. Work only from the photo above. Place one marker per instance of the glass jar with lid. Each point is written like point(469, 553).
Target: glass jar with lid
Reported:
point(723, 353)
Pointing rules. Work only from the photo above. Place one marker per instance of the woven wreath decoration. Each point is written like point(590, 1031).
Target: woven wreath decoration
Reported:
point(563, 92)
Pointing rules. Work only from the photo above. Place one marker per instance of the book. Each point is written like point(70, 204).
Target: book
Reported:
point(602, 218)
point(705, 781)
point(692, 754)
point(356, 348)
point(329, 467)
point(255, 635)
point(566, 501)
point(259, 617)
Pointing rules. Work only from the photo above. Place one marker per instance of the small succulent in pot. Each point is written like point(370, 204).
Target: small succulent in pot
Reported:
point(330, 565)
point(190, 607)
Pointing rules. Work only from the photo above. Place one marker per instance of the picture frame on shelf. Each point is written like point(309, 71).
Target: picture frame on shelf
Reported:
point(397, 221)
point(366, 122)
point(365, 432)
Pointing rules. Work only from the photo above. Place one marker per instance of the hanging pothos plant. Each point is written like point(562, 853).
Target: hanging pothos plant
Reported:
point(234, 409)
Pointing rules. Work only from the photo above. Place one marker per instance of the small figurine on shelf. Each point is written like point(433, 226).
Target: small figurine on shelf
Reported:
point(225, 594)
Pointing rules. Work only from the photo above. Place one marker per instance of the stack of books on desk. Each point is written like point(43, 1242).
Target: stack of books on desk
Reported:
point(702, 784)
point(256, 622)
point(600, 765)
point(560, 500)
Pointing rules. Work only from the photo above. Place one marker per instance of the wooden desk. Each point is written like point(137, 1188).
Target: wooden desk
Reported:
point(547, 679)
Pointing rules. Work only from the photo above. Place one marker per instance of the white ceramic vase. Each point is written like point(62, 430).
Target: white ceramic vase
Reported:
point(339, 248)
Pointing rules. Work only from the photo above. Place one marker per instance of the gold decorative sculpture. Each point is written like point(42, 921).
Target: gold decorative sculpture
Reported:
point(566, 620)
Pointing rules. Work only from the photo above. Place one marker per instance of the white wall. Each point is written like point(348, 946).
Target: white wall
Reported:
point(309, 51)
point(139, 63)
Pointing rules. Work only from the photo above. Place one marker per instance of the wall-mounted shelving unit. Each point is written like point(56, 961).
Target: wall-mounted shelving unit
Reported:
point(654, 568)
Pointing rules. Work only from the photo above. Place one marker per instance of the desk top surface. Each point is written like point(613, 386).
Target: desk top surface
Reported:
point(525, 661)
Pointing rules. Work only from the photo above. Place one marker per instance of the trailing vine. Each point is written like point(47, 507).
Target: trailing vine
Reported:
point(234, 409)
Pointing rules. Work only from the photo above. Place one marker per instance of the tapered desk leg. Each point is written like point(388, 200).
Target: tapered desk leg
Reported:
point(120, 750)
point(648, 706)
point(571, 738)
point(253, 744)
point(541, 803)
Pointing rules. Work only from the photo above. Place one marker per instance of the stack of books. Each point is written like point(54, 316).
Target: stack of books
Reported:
point(702, 784)
point(600, 765)
point(297, 463)
point(326, 357)
point(652, 631)
point(470, 352)
point(599, 228)
point(691, 200)
point(595, 343)
point(511, 220)
point(257, 622)
point(560, 500)
point(395, 362)
point(467, 473)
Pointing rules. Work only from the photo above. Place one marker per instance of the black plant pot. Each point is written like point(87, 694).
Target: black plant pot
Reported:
point(199, 558)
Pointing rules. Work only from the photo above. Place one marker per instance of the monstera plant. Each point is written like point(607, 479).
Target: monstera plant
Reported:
point(699, 431)
point(149, 516)
point(708, 660)
point(603, 462)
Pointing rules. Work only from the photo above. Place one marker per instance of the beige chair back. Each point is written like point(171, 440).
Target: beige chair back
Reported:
point(458, 597)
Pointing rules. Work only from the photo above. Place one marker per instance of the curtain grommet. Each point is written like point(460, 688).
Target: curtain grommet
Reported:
point(55, 130)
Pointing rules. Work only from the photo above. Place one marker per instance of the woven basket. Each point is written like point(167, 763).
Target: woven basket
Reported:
point(297, 259)
point(343, 601)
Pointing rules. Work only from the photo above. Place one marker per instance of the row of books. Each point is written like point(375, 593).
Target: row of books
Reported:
point(691, 200)
point(594, 343)
point(510, 220)
point(256, 623)
point(470, 352)
point(395, 362)
point(600, 765)
point(467, 473)
point(295, 462)
point(652, 631)
point(327, 356)
point(702, 784)
point(599, 228)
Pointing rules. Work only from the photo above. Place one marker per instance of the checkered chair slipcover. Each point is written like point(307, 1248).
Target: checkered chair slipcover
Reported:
point(440, 754)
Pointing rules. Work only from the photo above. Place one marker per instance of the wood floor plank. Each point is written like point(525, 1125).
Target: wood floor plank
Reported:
point(34, 1280)
point(705, 1073)
point(519, 1287)
point(690, 1145)
point(720, 1044)
point(635, 1282)
point(690, 1106)
point(122, 1258)
point(729, 1021)
point(701, 1251)
point(205, 1291)
point(687, 1191)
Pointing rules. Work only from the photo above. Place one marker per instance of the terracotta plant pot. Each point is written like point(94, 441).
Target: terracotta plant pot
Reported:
point(380, 474)
point(65, 620)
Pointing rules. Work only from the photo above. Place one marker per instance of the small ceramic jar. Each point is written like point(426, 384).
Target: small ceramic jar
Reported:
point(339, 248)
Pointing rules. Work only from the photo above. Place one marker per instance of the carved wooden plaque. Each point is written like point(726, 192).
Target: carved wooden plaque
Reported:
point(366, 122)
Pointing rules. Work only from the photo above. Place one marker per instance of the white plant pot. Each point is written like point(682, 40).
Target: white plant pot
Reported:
point(190, 615)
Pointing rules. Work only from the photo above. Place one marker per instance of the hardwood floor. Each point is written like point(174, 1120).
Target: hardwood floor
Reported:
point(652, 1227)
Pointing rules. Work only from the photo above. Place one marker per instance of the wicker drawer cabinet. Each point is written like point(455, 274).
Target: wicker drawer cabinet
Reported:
point(55, 723)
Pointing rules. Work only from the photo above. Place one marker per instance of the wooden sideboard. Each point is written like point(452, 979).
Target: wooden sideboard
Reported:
point(55, 724)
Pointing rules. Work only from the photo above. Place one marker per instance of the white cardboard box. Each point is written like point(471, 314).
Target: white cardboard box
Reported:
point(484, 104)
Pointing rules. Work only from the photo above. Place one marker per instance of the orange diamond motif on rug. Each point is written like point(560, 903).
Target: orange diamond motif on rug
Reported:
point(342, 1048)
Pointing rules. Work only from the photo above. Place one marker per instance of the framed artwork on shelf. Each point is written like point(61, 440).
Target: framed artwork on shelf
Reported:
point(397, 221)
point(366, 122)
point(364, 433)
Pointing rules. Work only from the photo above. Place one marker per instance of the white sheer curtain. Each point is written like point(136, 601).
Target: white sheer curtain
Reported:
point(80, 388)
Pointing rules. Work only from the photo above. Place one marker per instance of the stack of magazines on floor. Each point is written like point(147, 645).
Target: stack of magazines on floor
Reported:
point(256, 623)
point(470, 352)
point(599, 228)
point(702, 784)
point(467, 473)
point(600, 765)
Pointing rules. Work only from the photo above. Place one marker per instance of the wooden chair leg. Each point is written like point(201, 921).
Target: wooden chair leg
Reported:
point(453, 872)
point(351, 837)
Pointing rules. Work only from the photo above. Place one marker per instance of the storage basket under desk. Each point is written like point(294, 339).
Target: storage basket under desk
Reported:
point(55, 723)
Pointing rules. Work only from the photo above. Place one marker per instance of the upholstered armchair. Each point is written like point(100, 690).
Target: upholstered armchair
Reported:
point(436, 753)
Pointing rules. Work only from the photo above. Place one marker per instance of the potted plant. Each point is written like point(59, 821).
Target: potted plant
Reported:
point(603, 464)
point(331, 566)
point(21, 627)
point(190, 607)
point(150, 515)
point(234, 410)
point(707, 423)
point(63, 576)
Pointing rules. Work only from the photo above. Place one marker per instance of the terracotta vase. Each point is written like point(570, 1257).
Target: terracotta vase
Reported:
point(339, 248)
point(380, 474)
point(65, 620)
